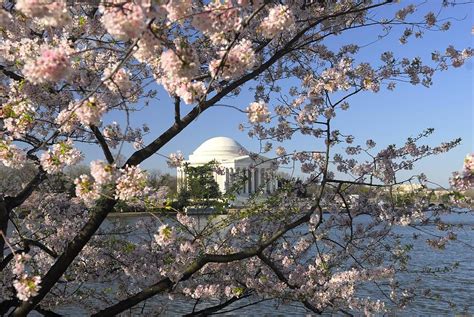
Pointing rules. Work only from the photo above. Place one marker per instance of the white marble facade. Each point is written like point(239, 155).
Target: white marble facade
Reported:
point(234, 160)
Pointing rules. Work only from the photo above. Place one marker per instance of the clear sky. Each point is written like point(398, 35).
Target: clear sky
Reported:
point(387, 117)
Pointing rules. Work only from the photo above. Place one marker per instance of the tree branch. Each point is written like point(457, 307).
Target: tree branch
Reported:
point(213, 309)
point(177, 110)
point(41, 246)
point(103, 143)
point(283, 278)
point(10, 74)
point(13, 202)
point(194, 267)
point(65, 259)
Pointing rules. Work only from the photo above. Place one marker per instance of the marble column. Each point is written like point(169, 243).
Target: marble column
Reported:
point(246, 182)
point(232, 176)
point(226, 181)
point(239, 179)
point(256, 179)
point(269, 182)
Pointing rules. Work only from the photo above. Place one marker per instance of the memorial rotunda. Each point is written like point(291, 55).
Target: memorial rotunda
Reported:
point(233, 158)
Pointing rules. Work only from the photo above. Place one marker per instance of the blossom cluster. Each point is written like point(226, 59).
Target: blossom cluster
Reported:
point(11, 155)
point(217, 20)
point(235, 62)
point(191, 91)
point(165, 235)
point(89, 111)
point(182, 62)
point(18, 116)
point(113, 134)
point(67, 120)
point(118, 81)
point(60, 155)
point(86, 189)
point(458, 57)
point(52, 65)
point(131, 184)
point(148, 48)
point(48, 13)
point(279, 19)
point(124, 20)
point(257, 112)
point(175, 159)
point(104, 176)
point(127, 184)
point(179, 67)
point(103, 173)
point(334, 78)
point(178, 10)
point(26, 284)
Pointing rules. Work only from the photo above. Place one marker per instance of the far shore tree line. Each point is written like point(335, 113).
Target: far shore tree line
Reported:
point(202, 189)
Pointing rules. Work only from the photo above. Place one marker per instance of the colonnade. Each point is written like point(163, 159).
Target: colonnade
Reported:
point(256, 179)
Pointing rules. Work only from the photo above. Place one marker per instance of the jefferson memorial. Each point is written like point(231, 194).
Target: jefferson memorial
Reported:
point(234, 160)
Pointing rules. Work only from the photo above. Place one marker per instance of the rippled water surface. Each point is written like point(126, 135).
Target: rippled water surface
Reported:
point(457, 285)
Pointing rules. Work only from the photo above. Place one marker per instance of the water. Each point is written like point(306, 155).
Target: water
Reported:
point(457, 285)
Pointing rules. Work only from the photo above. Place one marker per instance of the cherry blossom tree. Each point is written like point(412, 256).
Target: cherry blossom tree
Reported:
point(64, 68)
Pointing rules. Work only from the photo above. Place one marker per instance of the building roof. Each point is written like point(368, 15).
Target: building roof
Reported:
point(218, 148)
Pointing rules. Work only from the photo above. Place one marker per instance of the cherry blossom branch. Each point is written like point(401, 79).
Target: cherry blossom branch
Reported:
point(200, 262)
point(8, 203)
point(282, 278)
point(27, 243)
point(104, 206)
point(30, 242)
point(214, 309)
point(142, 154)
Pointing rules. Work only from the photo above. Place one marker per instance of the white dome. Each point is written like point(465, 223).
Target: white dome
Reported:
point(218, 148)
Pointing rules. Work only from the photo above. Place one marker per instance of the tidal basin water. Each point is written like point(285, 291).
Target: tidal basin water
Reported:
point(457, 285)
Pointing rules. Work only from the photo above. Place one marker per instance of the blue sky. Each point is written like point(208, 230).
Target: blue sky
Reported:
point(387, 117)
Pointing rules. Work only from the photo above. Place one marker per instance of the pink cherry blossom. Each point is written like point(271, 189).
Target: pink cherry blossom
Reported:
point(103, 173)
point(118, 81)
point(178, 9)
point(165, 235)
point(279, 19)
point(257, 112)
point(131, 184)
point(52, 65)
point(49, 13)
point(175, 159)
point(90, 111)
point(87, 190)
point(62, 154)
point(27, 287)
point(239, 59)
point(124, 20)
point(11, 155)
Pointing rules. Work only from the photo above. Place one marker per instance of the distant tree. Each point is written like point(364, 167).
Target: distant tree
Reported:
point(13, 180)
point(201, 187)
point(157, 179)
